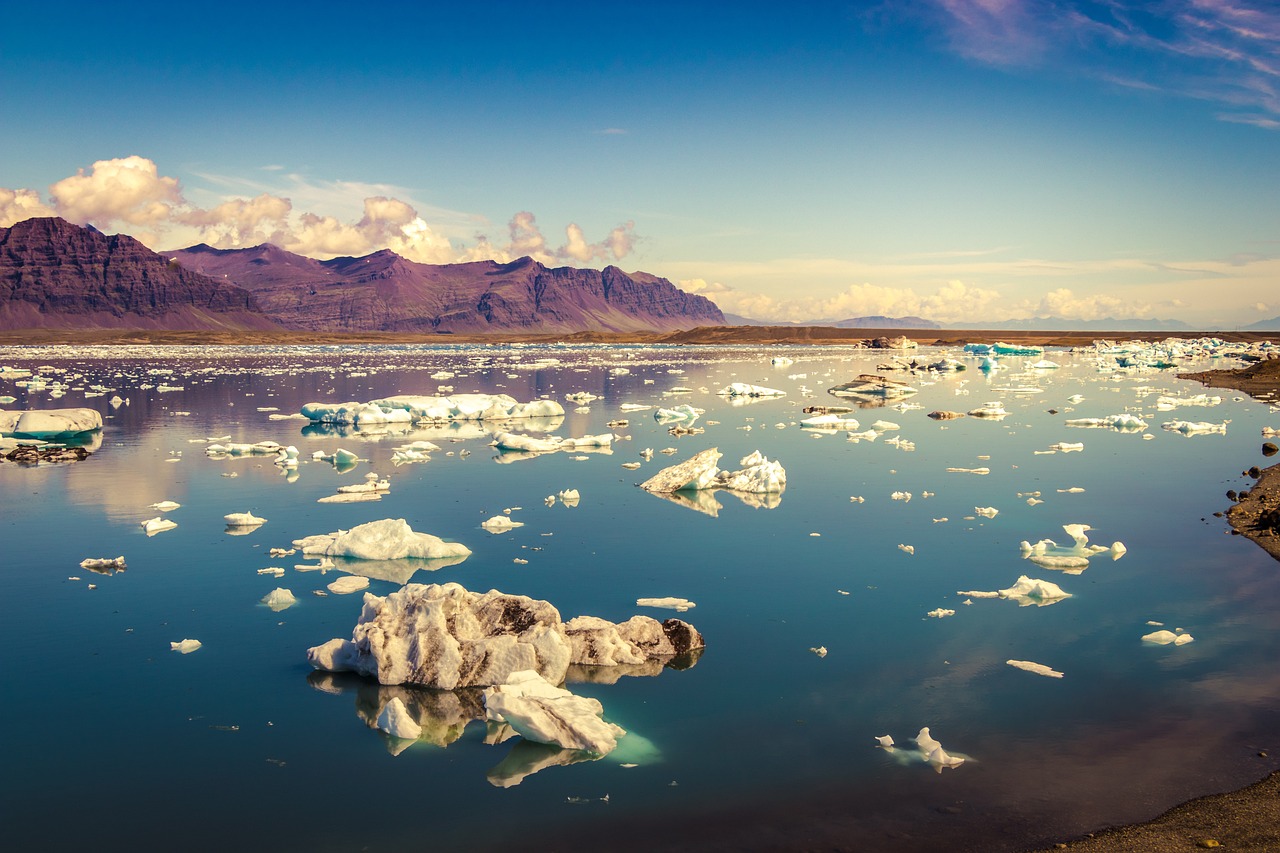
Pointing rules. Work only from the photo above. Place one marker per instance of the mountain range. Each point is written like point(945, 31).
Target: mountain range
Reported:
point(60, 275)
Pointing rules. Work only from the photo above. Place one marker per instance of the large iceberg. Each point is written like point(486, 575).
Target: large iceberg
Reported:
point(446, 637)
point(869, 386)
point(49, 423)
point(411, 409)
point(742, 389)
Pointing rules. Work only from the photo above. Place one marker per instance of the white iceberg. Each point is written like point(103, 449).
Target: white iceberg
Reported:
point(501, 524)
point(1165, 638)
point(411, 409)
point(678, 604)
point(993, 410)
point(48, 424)
point(869, 386)
point(1034, 591)
point(1124, 422)
point(388, 539)
point(152, 526)
point(243, 519)
point(1189, 428)
point(279, 599)
point(348, 584)
point(543, 713)
point(165, 506)
point(757, 475)
point(685, 414)
point(185, 647)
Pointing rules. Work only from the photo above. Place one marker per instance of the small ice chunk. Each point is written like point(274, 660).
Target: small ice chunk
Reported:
point(680, 604)
point(279, 599)
point(165, 506)
point(986, 511)
point(1165, 638)
point(348, 584)
point(569, 497)
point(396, 721)
point(884, 740)
point(243, 519)
point(941, 613)
point(102, 563)
point(909, 549)
point(1027, 589)
point(152, 526)
point(901, 496)
point(500, 524)
point(185, 647)
point(820, 651)
point(1037, 668)
point(977, 593)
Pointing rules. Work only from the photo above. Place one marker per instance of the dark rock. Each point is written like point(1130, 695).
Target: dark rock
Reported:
point(1255, 472)
point(1231, 495)
point(683, 636)
point(1269, 448)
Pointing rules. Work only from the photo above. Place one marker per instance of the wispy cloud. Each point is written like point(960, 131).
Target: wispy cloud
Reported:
point(613, 131)
point(1222, 51)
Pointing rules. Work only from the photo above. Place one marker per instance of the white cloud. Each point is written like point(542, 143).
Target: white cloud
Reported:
point(17, 205)
point(952, 302)
point(308, 217)
point(126, 189)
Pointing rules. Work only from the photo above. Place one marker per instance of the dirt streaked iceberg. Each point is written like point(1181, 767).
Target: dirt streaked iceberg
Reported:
point(446, 637)
point(411, 409)
point(543, 713)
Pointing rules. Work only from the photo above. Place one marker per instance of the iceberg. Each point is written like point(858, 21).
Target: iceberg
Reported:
point(685, 414)
point(1051, 555)
point(395, 721)
point(993, 410)
point(1124, 422)
point(446, 637)
point(1189, 428)
point(758, 475)
point(152, 526)
point(279, 599)
point(543, 713)
point(388, 539)
point(501, 524)
point(49, 424)
point(1033, 591)
point(185, 647)
point(348, 584)
point(243, 519)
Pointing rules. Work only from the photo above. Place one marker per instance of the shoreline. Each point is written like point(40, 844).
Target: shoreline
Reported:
point(706, 335)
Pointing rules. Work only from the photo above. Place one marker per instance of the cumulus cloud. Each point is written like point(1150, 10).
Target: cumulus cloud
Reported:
point(17, 205)
point(126, 189)
point(130, 195)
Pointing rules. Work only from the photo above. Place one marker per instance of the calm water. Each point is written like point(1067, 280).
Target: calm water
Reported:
point(112, 741)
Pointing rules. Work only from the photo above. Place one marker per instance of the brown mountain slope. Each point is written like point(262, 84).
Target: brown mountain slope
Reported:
point(57, 275)
point(385, 292)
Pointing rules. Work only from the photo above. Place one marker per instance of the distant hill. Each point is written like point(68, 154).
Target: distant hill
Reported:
point(385, 292)
point(872, 322)
point(1272, 325)
point(1059, 324)
point(57, 275)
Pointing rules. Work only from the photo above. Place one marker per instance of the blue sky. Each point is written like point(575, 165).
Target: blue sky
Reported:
point(964, 160)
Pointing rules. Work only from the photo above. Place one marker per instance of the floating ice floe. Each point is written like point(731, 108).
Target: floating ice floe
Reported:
point(243, 519)
point(350, 498)
point(49, 424)
point(185, 647)
point(993, 410)
point(1051, 555)
point(986, 511)
point(932, 751)
point(152, 526)
point(1037, 668)
point(103, 565)
point(508, 443)
point(1123, 422)
point(348, 584)
point(1167, 404)
point(372, 483)
point(742, 389)
point(1067, 447)
point(543, 713)
point(870, 386)
point(940, 613)
point(979, 471)
point(165, 506)
point(446, 637)
point(1189, 428)
point(501, 524)
point(279, 599)
point(1165, 638)
point(907, 549)
point(412, 409)
point(831, 422)
point(884, 740)
point(678, 604)
point(1033, 591)
point(415, 451)
point(260, 448)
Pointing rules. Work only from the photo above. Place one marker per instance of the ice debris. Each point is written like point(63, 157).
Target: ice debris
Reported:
point(1051, 555)
point(1037, 668)
point(758, 475)
point(1190, 428)
point(1165, 638)
point(152, 526)
point(243, 519)
point(105, 565)
point(501, 524)
point(410, 409)
point(677, 604)
point(742, 389)
point(185, 647)
point(1034, 591)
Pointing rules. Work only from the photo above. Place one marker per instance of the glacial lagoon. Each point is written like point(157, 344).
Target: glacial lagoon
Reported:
point(111, 737)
